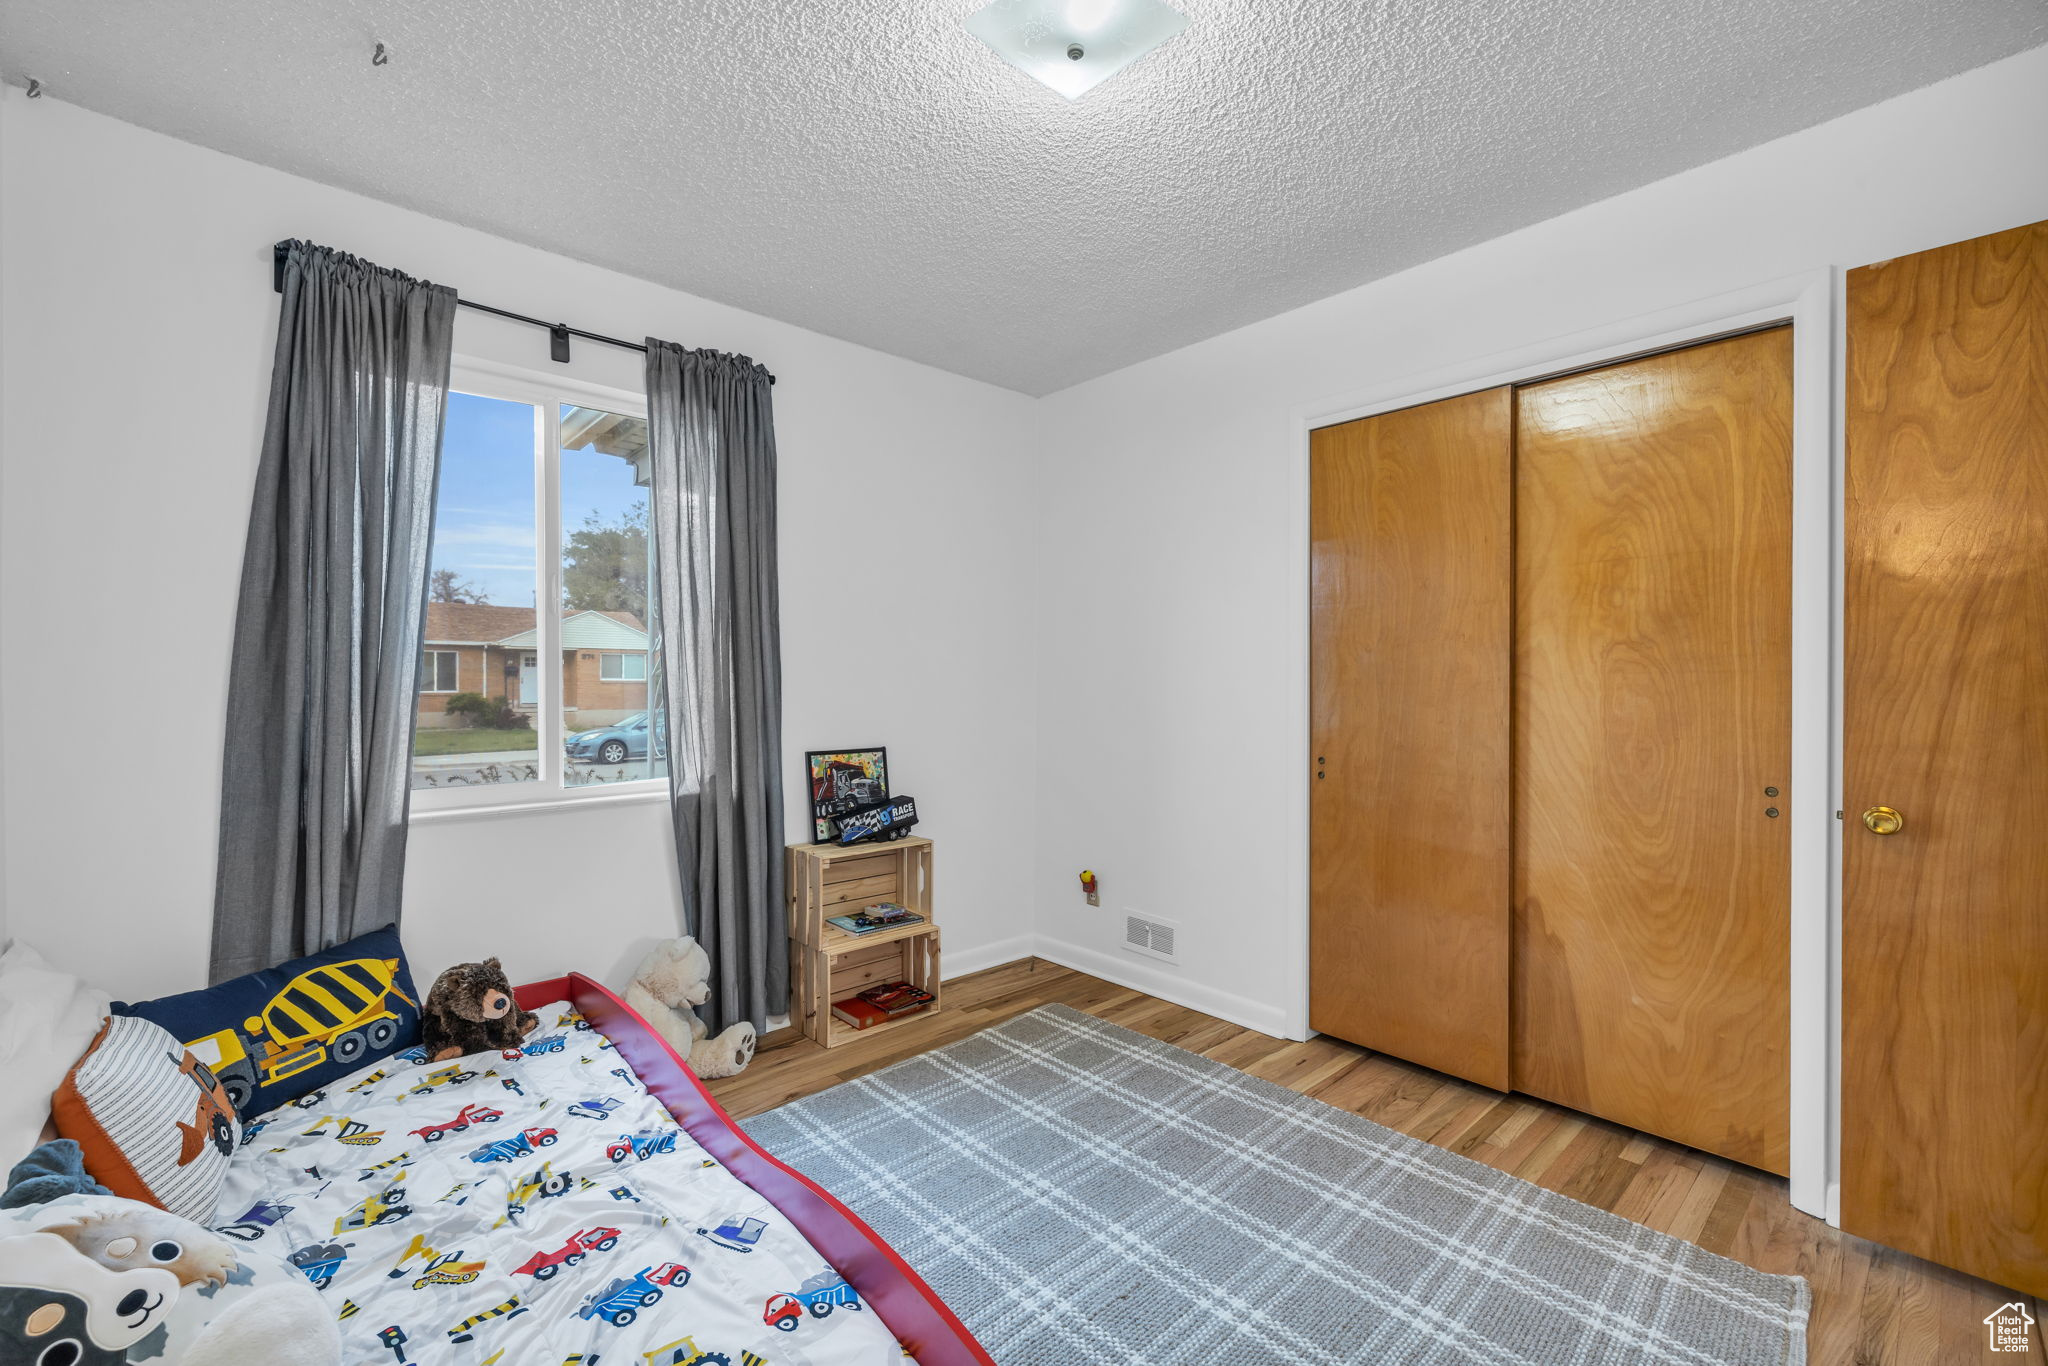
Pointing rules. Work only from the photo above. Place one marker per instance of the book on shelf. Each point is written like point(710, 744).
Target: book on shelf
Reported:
point(896, 998)
point(889, 1001)
point(865, 1014)
point(863, 923)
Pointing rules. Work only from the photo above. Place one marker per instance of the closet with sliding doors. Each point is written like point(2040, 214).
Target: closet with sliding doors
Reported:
point(1551, 674)
point(1551, 666)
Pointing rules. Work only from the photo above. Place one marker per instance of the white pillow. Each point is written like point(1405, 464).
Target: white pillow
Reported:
point(47, 1020)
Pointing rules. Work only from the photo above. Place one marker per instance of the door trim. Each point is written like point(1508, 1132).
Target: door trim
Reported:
point(1811, 302)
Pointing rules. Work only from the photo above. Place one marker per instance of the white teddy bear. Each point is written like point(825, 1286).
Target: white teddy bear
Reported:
point(674, 976)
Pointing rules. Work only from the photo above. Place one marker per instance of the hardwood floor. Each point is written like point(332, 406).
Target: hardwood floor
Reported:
point(1872, 1306)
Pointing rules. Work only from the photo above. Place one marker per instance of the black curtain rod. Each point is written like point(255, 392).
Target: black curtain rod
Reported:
point(558, 333)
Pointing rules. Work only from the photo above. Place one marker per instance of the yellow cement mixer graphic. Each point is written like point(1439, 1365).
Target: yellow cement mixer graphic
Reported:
point(337, 1011)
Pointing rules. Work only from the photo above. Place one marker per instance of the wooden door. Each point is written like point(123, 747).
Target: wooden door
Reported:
point(1408, 881)
point(1653, 741)
point(1945, 720)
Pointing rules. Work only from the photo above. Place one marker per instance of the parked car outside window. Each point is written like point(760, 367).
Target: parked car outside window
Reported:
point(615, 744)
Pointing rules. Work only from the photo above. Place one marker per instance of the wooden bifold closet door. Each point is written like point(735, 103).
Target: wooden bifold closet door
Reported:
point(1945, 730)
point(1551, 671)
point(1408, 899)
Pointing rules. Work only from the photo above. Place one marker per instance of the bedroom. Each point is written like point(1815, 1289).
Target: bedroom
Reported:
point(1047, 374)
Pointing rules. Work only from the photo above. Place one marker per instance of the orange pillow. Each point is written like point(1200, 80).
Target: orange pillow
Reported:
point(150, 1119)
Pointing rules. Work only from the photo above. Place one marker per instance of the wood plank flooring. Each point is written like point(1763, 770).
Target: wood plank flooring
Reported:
point(1872, 1306)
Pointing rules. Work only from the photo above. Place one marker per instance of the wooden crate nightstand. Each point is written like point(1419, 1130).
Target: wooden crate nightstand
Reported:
point(829, 964)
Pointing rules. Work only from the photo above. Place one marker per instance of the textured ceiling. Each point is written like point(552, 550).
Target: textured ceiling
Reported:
point(868, 169)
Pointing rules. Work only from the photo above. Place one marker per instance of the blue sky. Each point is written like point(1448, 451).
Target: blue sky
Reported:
point(483, 526)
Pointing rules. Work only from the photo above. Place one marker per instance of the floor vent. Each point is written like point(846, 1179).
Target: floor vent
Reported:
point(1150, 936)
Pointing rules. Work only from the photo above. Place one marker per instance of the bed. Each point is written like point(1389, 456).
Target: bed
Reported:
point(577, 1200)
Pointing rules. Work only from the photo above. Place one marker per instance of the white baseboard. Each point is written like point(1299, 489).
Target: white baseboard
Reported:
point(1167, 986)
point(960, 963)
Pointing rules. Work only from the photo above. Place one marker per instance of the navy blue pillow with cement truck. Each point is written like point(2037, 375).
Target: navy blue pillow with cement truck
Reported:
point(287, 1031)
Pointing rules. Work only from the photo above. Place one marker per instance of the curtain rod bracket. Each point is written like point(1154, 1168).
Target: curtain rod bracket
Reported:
point(558, 342)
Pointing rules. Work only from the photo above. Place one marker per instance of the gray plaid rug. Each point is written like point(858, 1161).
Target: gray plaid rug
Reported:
point(1081, 1194)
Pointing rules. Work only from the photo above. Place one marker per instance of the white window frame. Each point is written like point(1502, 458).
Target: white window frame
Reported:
point(621, 656)
point(546, 394)
point(439, 650)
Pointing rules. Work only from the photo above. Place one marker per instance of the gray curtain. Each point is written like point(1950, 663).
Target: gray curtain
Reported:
point(711, 435)
point(314, 784)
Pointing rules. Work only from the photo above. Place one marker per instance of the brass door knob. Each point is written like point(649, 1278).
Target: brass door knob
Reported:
point(1882, 820)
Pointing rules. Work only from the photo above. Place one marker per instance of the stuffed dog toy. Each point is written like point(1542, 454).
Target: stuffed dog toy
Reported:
point(470, 1010)
point(102, 1281)
point(78, 1312)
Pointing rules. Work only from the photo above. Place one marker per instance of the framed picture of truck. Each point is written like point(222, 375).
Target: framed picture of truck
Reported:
point(843, 780)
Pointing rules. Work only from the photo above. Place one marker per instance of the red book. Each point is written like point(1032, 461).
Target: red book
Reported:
point(896, 997)
point(862, 1014)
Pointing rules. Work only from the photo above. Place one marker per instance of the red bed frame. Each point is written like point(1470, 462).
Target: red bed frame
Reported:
point(920, 1320)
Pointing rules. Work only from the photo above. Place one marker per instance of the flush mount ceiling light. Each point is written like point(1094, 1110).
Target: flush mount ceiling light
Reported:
point(1074, 45)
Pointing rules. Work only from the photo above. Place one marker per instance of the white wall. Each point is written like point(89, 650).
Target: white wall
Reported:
point(136, 353)
point(1147, 522)
point(1173, 672)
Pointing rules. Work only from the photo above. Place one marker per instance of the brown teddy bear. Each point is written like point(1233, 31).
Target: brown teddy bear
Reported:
point(470, 1010)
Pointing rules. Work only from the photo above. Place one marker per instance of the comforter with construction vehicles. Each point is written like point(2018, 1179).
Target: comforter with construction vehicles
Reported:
point(530, 1208)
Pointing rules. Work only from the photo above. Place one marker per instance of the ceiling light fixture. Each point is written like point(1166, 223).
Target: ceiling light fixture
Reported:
point(1074, 45)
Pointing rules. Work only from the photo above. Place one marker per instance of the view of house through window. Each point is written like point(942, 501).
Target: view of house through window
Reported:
point(471, 729)
point(497, 682)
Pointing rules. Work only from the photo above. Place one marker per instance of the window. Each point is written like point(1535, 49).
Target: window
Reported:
point(542, 499)
point(622, 668)
point(439, 671)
